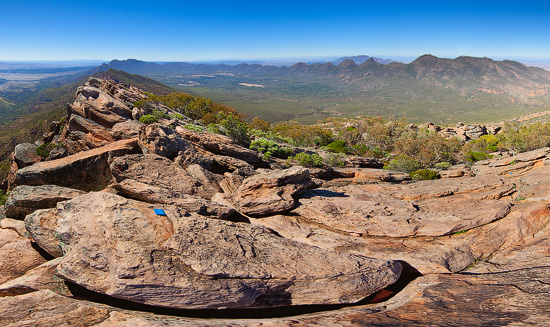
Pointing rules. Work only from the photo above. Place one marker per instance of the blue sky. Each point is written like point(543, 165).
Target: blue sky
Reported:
point(210, 30)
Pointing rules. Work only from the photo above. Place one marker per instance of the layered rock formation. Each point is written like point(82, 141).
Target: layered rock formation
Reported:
point(146, 217)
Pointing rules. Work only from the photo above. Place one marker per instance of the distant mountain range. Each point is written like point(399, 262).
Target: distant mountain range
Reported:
point(442, 90)
point(361, 59)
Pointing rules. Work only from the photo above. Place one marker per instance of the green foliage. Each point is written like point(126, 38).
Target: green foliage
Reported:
point(45, 149)
point(159, 114)
point(148, 119)
point(213, 128)
point(304, 135)
point(305, 160)
point(270, 148)
point(195, 128)
point(3, 197)
point(517, 138)
point(260, 124)
point(428, 149)
point(336, 160)
point(473, 156)
point(236, 129)
point(424, 174)
point(270, 135)
point(443, 165)
point(338, 146)
point(176, 116)
point(403, 163)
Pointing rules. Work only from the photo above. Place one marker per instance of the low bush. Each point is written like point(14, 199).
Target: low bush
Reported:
point(3, 197)
point(195, 128)
point(305, 160)
point(176, 116)
point(336, 160)
point(270, 148)
point(148, 119)
point(424, 174)
point(338, 146)
point(443, 165)
point(45, 149)
point(403, 163)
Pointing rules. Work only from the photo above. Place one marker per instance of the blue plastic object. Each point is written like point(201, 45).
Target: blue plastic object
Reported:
point(160, 212)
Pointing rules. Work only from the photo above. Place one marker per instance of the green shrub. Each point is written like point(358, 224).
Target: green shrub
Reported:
point(403, 163)
point(473, 156)
point(270, 148)
point(148, 119)
point(176, 116)
point(159, 114)
point(45, 149)
point(213, 128)
point(195, 128)
point(3, 197)
point(338, 146)
point(270, 135)
point(336, 160)
point(443, 165)
point(235, 129)
point(424, 174)
point(304, 135)
point(305, 160)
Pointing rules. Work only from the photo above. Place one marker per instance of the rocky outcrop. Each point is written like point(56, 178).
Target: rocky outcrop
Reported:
point(128, 129)
point(120, 247)
point(25, 155)
point(158, 171)
point(161, 140)
point(84, 134)
point(40, 278)
point(219, 144)
point(25, 199)
point(17, 256)
point(271, 192)
point(87, 170)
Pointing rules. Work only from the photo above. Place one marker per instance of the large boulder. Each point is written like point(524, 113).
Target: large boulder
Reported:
point(83, 134)
point(17, 256)
point(159, 171)
point(25, 154)
point(25, 199)
point(219, 144)
point(272, 191)
point(155, 194)
point(100, 106)
point(121, 248)
point(128, 129)
point(40, 278)
point(161, 140)
point(87, 170)
point(405, 211)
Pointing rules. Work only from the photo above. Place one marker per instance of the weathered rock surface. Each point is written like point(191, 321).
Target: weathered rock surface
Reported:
point(15, 225)
point(39, 278)
point(161, 140)
point(96, 104)
point(88, 170)
point(511, 166)
point(435, 208)
point(17, 256)
point(220, 144)
point(128, 129)
point(272, 192)
point(119, 247)
point(154, 194)
point(161, 172)
point(25, 154)
point(83, 134)
point(25, 199)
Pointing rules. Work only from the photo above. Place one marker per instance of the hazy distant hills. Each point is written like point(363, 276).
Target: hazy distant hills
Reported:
point(361, 59)
point(429, 88)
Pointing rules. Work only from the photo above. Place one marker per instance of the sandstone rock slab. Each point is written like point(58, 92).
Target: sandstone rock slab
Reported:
point(272, 192)
point(25, 199)
point(119, 247)
point(25, 154)
point(161, 140)
point(17, 256)
point(88, 170)
point(159, 171)
point(39, 278)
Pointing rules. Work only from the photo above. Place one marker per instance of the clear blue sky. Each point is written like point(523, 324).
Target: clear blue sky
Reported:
point(208, 30)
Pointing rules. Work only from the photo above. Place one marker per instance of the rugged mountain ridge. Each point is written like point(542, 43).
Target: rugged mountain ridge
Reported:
point(237, 231)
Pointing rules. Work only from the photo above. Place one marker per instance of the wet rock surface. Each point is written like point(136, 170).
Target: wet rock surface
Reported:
point(239, 245)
